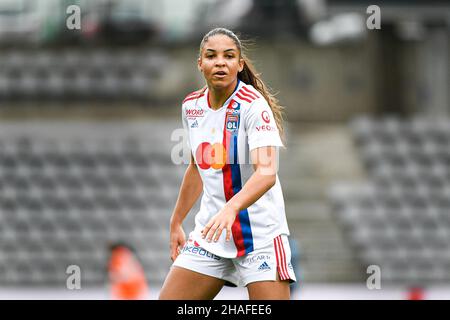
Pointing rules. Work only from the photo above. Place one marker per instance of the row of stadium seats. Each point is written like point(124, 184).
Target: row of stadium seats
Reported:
point(68, 192)
point(400, 218)
point(75, 59)
point(391, 131)
point(79, 75)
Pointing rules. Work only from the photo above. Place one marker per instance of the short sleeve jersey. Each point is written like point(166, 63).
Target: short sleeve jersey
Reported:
point(220, 141)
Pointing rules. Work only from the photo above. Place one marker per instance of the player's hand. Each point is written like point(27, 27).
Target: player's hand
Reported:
point(222, 220)
point(177, 240)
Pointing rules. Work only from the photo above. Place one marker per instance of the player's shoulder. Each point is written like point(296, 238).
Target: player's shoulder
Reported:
point(250, 98)
point(194, 95)
point(248, 95)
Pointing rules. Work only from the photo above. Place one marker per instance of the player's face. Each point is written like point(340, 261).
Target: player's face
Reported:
point(220, 61)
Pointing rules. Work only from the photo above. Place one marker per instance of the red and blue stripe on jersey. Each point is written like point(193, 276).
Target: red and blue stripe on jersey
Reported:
point(232, 182)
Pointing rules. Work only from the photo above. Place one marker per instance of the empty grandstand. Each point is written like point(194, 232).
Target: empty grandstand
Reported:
point(400, 218)
point(70, 190)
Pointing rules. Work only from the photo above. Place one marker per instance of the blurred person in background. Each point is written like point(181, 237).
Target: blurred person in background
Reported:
point(126, 275)
point(234, 127)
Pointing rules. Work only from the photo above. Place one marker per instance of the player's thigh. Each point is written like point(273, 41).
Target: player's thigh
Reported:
point(269, 290)
point(184, 284)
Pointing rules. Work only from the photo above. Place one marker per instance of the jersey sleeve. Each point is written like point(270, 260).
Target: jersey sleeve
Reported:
point(260, 125)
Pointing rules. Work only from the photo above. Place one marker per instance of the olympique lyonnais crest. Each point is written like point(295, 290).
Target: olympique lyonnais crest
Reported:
point(232, 123)
point(232, 117)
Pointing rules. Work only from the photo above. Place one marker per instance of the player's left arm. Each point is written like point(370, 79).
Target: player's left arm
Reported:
point(265, 163)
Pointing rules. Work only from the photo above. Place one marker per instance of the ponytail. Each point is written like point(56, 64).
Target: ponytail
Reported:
point(249, 76)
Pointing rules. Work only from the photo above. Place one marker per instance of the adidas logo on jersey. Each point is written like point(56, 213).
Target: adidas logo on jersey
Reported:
point(264, 266)
point(194, 124)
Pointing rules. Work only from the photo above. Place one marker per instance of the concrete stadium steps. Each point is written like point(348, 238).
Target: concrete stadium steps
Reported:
point(316, 156)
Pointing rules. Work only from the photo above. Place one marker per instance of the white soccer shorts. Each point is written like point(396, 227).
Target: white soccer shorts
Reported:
point(259, 265)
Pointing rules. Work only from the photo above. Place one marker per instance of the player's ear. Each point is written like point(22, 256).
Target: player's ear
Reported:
point(241, 64)
point(199, 64)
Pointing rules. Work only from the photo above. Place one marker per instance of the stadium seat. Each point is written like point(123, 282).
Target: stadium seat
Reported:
point(404, 225)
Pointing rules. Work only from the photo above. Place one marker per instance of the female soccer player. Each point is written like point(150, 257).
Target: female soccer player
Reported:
point(234, 128)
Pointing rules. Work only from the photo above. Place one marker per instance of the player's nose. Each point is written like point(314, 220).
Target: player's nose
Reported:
point(220, 62)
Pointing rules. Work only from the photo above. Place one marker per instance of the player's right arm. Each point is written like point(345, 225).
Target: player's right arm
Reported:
point(190, 190)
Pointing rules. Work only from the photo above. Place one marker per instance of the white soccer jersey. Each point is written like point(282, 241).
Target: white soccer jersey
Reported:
point(220, 142)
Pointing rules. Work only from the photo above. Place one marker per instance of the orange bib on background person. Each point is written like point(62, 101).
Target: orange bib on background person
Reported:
point(126, 275)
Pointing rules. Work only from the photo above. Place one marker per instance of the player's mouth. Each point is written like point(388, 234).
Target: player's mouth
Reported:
point(220, 74)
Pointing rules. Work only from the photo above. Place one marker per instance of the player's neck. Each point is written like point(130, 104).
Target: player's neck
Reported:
point(217, 97)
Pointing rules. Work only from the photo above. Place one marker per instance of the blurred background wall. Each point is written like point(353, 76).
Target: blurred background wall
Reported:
point(88, 115)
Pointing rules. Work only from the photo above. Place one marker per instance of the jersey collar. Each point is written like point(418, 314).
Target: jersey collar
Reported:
point(239, 85)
